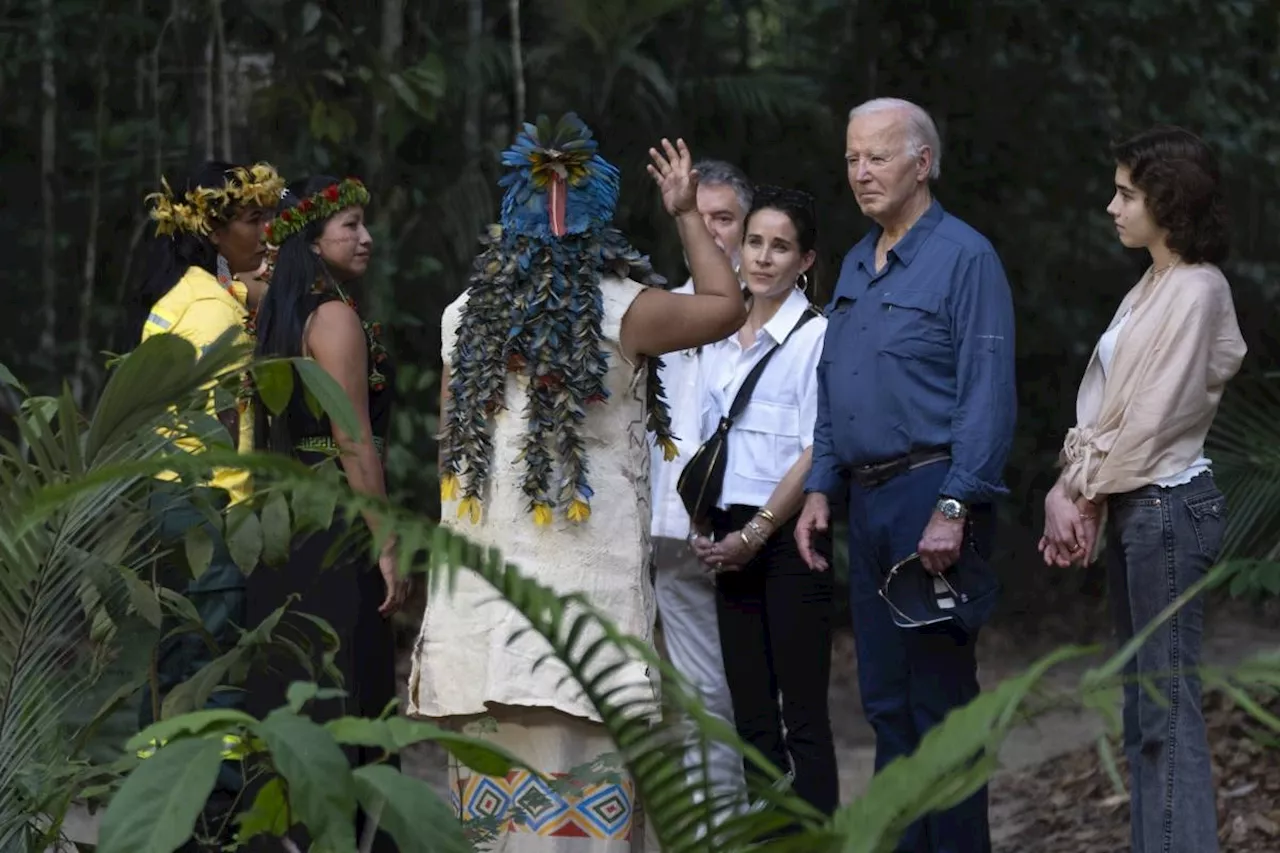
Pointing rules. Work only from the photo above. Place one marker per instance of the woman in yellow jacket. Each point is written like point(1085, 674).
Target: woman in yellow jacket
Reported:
point(197, 284)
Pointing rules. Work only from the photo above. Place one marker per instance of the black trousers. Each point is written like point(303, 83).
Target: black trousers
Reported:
point(775, 632)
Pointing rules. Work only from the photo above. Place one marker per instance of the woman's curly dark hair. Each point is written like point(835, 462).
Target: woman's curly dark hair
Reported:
point(1179, 176)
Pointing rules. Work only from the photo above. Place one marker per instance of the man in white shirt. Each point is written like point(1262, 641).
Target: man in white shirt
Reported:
point(685, 590)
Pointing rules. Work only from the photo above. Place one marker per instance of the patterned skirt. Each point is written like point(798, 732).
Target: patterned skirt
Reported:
point(584, 804)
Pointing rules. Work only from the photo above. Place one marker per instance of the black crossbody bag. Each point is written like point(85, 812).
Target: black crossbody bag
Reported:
point(702, 479)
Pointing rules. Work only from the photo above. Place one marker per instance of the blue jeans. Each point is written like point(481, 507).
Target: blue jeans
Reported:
point(1161, 541)
point(910, 679)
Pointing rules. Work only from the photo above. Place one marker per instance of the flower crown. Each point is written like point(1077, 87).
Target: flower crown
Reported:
point(349, 192)
point(198, 211)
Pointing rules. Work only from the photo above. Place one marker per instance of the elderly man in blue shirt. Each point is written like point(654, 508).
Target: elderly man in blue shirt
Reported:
point(916, 408)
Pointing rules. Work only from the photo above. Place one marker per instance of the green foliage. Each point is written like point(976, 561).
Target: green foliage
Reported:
point(1246, 465)
point(71, 547)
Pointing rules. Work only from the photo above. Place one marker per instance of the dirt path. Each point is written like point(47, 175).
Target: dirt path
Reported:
point(1231, 635)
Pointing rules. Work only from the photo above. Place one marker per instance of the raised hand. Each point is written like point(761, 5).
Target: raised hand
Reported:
point(673, 172)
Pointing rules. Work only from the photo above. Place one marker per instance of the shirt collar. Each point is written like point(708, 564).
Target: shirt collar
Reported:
point(784, 319)
point(234, 292)
point(906, 248)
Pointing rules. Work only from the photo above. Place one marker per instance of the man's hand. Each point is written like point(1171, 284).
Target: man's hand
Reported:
point(814, 520)
point(939, 547)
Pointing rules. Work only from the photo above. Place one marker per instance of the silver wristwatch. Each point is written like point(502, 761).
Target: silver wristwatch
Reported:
point(951, 509)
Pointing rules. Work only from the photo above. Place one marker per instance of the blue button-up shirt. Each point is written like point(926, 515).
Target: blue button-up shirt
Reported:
point(919, 355)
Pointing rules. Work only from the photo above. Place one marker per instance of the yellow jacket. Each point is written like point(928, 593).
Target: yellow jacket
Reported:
point(200, 309)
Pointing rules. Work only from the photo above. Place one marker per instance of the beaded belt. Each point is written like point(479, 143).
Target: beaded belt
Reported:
point(326, 444)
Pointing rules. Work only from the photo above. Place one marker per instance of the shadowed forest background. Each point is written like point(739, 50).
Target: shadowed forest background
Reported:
point(102, 97)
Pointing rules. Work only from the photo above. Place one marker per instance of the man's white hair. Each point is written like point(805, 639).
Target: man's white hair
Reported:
point(920, 129)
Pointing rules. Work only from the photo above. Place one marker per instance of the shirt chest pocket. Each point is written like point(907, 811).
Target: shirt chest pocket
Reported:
point(914, 325)
point(767, 440)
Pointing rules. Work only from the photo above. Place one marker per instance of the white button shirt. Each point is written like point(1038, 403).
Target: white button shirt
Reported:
point(681, 382)
point(777, 424)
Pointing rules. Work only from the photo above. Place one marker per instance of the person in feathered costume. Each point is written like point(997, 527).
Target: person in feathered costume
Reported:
point(550, 386)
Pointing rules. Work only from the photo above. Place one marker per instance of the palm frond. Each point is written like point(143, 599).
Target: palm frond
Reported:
point(69, 536)
point(1244, 445)
point(769, 95)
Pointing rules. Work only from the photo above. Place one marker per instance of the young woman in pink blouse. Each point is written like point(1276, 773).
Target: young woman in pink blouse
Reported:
point(1136, 460)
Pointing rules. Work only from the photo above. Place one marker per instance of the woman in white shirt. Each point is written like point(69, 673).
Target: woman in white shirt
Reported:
point(1136, 455)
point(774, 613)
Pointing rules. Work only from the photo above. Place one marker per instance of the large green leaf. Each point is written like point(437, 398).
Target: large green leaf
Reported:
point(317, 776)
point(244, 537)
point(274, 383)
point(161, 371)
point(396, 733)
point(194, 724)
point(329, 395)
point(193, 693)
point(269, 814)
point(157, 806)
point(7, 378)
point(410, 811)
point(275, 530)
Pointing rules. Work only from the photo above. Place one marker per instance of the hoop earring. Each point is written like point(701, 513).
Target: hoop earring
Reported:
point(803, 282)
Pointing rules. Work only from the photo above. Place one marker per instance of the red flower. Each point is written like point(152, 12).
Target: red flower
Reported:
point(305, 205)
point(286, 216)
point(378, 386)
point(331, 192)
point(515, 362)
point(268, 230)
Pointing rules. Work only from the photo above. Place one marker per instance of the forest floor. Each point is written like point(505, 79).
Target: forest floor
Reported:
point(1053, 793)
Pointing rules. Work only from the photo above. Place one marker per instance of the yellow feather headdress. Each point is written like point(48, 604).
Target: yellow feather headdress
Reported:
point(200, 210)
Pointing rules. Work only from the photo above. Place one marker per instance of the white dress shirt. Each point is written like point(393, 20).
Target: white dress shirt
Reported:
point(680, 381)
point(777, 424)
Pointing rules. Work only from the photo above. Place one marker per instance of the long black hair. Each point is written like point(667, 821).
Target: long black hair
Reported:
point(283, 311)
point(169, 256)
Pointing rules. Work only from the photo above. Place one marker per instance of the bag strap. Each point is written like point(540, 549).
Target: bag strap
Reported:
point(743, 396)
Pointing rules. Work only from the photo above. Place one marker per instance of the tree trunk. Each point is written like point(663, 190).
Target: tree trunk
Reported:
point(517, 64)
point(81, 380)
point(48, 165)
point(140, 100)
point(382, 289)
point(471, 128)
point(157, 128)
point(206, 95)
point(388, 52)
point(224, 81)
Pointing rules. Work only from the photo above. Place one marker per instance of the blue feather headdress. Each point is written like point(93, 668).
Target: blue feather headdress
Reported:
point(557, 184)
point(534, 310)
